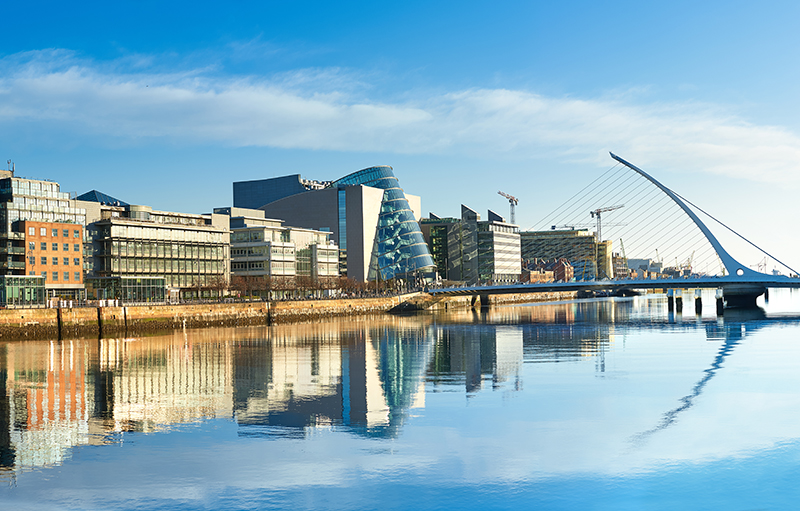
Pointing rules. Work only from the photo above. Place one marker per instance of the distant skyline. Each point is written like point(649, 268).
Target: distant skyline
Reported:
point(168, 104)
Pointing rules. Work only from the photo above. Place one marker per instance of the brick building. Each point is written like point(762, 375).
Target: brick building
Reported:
point(54, 250)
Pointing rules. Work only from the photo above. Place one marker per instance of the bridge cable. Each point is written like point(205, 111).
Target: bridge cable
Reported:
point(736, 233)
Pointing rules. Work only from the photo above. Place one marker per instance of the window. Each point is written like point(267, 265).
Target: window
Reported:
point(76, 261)
point(55, 246)
point(66, 261)
point(42, 231)
point(55, 233)
point(65, 233)
point(66, 247)
point(31, 245)
point(66, 275)
point(76, 234)
point(55, 275)
point(31, 260)
point(31, 231)
point(77, 276)
point(55, 261)
point(44, 245)
point(44, 260)
point(76, 248)
point(44, 275)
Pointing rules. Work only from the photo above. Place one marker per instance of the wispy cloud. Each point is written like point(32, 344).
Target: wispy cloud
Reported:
point(332, 109)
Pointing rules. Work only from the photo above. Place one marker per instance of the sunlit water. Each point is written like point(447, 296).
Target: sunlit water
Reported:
point(601, 404)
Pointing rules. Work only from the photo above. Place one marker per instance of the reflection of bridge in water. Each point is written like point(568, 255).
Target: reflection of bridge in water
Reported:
point(740, 284)
point(362, 377)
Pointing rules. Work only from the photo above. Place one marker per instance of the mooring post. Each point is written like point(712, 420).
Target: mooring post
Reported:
point(698, 302)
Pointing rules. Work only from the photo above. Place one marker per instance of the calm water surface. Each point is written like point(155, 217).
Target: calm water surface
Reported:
point(605, 404)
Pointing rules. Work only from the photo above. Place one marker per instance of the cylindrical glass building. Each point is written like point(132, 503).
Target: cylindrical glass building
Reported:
point(399, 247)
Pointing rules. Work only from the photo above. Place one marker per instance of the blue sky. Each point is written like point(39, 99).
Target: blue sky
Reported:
point(167, 104)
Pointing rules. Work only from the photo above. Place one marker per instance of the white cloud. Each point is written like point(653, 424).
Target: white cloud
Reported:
point(331, 109)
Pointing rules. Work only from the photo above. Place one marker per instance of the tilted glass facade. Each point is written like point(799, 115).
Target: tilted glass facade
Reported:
point(399, 246)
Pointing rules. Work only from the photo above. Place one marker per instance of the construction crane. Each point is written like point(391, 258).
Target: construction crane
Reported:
point(688, 264)
point(512, 202)
point(596, 214)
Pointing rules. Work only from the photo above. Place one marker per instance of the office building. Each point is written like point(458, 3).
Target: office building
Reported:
point(474, 251)
point(371, 219)
point(191, 252)
point(589, 259)
point(42, 236)
point(262, 246)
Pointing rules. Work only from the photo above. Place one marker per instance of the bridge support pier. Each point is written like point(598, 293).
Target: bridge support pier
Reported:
point(698, 302)
point(678, 301)
point(720, 303)
point(742, 296)
point(484, 301)
point(670, 300)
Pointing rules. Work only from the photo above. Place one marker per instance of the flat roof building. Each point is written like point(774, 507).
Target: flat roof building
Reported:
point(41, 234)
point(371, 219)
point(474, 251)
point(191, 252)
point(589, 259)
point(262, 246)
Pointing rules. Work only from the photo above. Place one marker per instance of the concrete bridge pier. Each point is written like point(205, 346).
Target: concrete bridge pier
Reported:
point(670, 300)
point(698, 302)
point(720, 303)
point(679, 301)
point(742, 296)
point(484, 301)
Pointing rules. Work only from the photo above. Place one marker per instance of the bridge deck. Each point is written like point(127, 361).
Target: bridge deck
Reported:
point(769, 281)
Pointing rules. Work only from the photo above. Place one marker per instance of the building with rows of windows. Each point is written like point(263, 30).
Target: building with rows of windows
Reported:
point(371, 219)
point(473, 251)
point(191, 252)
point(41, 237)
point(263, 246)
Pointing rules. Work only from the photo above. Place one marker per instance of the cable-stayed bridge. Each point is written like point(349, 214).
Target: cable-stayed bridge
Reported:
point(658, 221)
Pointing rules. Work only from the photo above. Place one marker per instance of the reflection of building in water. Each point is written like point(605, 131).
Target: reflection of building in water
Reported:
point(361, 377)
point(150, 384)
point(474, 346)
point(43, 406)
point(473, 355)
point(56, 395)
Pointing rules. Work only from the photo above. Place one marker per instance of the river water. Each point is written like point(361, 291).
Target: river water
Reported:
point(600, 404)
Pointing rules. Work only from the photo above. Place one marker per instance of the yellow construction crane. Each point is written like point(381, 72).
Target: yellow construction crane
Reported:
point(512, 202)
point(596, 214)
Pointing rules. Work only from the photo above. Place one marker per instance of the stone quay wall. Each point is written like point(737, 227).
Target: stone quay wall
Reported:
point(21, 324)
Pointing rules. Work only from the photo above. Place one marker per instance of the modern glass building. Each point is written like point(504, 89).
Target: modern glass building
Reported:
point(469, 250)
point(22, 291)
point(128, 289)
point(399, 247)
point(589, 259)
point(370, 218)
